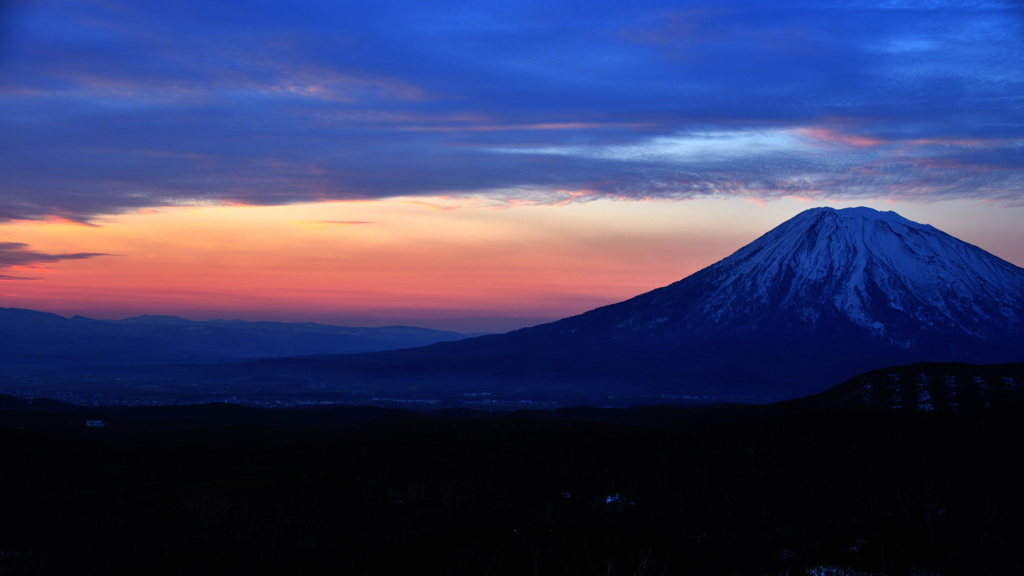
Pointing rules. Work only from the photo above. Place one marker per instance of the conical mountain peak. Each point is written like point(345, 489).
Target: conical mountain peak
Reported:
point(877, 270)
point(854, 287)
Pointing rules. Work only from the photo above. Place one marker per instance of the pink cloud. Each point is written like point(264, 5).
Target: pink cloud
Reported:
point(520, 127)
point(832, 136)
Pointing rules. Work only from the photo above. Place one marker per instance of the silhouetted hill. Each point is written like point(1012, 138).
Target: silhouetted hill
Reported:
point(944, 387)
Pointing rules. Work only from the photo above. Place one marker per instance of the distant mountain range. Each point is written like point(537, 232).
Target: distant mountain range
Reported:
point(29, 338)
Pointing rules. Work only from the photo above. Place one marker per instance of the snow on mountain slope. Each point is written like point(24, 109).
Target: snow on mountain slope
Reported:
point(864, 261)
point(887, 275)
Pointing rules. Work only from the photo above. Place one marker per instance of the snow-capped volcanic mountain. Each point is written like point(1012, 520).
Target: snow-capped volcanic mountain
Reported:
point(821, 298)
point(904, 284)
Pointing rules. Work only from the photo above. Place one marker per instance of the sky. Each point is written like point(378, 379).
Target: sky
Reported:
point(477, 166)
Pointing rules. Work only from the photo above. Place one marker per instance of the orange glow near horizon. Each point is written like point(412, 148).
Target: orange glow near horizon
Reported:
point(436, 262)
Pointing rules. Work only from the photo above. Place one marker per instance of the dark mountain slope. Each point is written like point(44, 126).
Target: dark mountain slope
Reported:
point(945, 388)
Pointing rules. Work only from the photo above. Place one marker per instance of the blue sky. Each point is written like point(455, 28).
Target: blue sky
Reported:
point(113, 105)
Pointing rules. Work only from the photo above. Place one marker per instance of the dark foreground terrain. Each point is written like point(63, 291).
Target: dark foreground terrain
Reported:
point(222, 489)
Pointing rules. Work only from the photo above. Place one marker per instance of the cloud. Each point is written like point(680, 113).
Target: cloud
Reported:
point(328, 223)
point(117, 107)
point(18, 256)
point(812, 162)
point(341, 222)
point(698, 146)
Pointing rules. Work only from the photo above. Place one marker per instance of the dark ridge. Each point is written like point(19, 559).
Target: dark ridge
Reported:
point(926, 387)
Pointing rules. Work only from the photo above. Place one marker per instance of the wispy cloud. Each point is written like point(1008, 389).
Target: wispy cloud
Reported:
point(341, 222)
point(484, 127)
point(697, 146)
point(18, 256)
point(328, 223)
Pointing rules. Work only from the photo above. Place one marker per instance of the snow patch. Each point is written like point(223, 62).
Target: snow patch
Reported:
point(949, 382)
point(983, 390)
point(924, 398)
point(896, 401)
